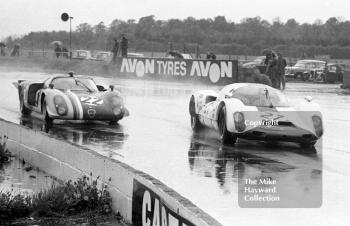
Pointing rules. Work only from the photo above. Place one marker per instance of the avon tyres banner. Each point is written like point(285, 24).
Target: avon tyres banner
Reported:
point(149, 209)
point(211, 71)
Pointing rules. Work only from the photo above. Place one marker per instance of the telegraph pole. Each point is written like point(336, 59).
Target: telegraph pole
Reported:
point(66, 17)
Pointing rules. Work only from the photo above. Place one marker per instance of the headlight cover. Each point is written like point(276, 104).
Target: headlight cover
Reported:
point(60, 105)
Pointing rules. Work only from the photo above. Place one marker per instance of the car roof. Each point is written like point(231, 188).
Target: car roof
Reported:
point(312, 61)
point(67, 76)
point(240, 85)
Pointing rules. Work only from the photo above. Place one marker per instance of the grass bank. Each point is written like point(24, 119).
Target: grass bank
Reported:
point(63, 204)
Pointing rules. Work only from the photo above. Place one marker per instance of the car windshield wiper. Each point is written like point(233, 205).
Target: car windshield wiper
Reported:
point(77, 82)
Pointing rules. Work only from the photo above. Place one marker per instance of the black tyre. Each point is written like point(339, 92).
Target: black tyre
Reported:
point(24, 110)
point(195, 123)
point(308, 145)
point(296, 75)
point(225, 136)
point(47, 117)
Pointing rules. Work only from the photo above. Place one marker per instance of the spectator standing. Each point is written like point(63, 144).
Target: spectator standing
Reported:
point(281, 65)
point(211, 56)
point(65, 52)
point(2, 49)
point(15, 51)
point(115, 50)
point(124, 46)
point(58, 51)
point(271, 69)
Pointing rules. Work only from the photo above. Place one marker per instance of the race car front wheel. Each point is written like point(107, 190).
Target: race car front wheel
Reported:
point(308, 145)
point(24, 110)
point(47, 117)
point(225, 136)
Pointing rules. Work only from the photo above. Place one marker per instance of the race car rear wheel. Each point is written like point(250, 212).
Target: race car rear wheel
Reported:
point(195, 123)
point(47, 117)
point(225, 136)
point(24, 110)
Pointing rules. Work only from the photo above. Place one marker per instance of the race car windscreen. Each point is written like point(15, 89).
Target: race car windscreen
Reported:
point(75, 84)
point(260, 97)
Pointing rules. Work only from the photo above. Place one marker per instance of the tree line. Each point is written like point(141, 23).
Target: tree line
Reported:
point(248, 37)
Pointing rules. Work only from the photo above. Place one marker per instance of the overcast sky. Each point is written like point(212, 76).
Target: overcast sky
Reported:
point(22, 16)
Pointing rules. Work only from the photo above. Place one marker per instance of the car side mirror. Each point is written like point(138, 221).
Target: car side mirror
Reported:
point(308, 98)
point(111, 87)
point(101, 88)
point(51, 86)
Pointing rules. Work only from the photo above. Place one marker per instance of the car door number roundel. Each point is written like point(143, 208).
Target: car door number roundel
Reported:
point(93, 101)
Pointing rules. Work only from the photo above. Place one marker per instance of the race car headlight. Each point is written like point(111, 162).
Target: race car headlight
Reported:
point(61, 110)
point(60, 105)
point(117, 111)
point(239, 121)
point(317, 121)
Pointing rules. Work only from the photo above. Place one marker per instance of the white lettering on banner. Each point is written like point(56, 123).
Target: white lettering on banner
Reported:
point(226, 69)
point(176, 68)
point(170, 68)
point(214, 73)
point(132, 64)
point(195, 69)
point(204, 69)
point(125, 66)
point(140, 69)
point(149, 66)
point(146, 206)
point(183, 68)
point(164, 217)
point(214, 70)
point(157, 215)
point(211, 69)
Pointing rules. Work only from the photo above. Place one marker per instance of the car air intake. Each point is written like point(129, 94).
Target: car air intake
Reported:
point(285, 123)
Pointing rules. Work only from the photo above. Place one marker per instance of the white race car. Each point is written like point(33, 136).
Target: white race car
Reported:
point(257, 112)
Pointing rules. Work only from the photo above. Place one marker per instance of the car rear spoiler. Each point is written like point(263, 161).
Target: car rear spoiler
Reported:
point(16, 84)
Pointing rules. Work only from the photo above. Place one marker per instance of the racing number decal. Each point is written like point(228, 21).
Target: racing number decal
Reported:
point(271, 116)
point(92, 101)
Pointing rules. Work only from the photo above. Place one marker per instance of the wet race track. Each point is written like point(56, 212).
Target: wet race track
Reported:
point(158, 140)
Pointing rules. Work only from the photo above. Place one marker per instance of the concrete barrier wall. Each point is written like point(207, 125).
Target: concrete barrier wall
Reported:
point(65, 161)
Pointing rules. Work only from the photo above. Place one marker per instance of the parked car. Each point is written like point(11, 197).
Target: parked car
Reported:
point(70, 98)
point(258, 62)
point(103, 56)
point(174, 54)
point(245, 110)
point(303, 69)
point(82, 55)
point(136, 55)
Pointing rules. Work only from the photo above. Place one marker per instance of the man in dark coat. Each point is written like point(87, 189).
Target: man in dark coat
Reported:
point(124, 45)
point(58, 51)
point(271, 69)
point(115, 50)
point(281, 65)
